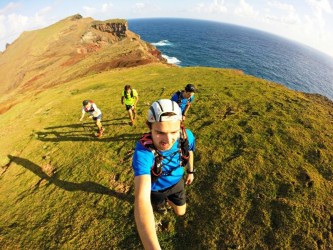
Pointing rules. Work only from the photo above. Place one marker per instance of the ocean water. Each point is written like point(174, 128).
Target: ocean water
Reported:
point(188, 42)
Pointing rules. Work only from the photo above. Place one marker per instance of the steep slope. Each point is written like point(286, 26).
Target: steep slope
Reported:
point(263, 157)
point(66, 50)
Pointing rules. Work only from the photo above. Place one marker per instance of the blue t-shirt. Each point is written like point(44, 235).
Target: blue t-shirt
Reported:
point(143, 160)
point(183, 101)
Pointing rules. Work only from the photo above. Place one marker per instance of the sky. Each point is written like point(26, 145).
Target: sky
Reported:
point(306, 21)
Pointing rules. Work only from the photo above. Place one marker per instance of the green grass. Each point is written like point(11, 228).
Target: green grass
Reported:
point(263, 157)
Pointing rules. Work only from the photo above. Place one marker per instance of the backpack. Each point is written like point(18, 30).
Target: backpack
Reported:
point(179, 100)
point(156, 170)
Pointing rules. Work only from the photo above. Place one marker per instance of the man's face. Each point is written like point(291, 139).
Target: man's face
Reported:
point(87, 106)
point(165, 134)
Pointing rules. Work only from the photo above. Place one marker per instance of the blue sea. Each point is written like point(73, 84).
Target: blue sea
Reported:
point(188, 42)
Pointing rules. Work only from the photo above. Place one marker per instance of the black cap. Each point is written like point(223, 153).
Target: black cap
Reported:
point(85, 102)
point(190, 88)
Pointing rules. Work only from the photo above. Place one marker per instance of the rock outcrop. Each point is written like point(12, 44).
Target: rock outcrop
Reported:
point(103, 33)
point(115, 27)
point(76, 17)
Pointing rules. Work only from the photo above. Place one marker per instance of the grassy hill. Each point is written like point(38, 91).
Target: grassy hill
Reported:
point(69, 49)
point(264, 160)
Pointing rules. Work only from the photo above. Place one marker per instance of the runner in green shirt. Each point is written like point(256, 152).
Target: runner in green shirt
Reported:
point(130, 97)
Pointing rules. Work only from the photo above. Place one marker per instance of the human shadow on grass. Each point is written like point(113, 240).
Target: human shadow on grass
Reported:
point(91, 125)
point(55, 136)
point(86, 186)
point(80, 132)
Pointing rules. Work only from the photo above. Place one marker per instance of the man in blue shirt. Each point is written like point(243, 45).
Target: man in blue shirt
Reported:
point(153, 187)
point(184, 99)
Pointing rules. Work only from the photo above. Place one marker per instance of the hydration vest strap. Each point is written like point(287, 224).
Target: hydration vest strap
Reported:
point(179, 101)
point(156, 169)
point(184, 146)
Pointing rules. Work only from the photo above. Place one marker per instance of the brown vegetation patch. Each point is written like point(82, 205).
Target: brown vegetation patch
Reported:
point(89, 48)
point(51, 55)
point(48, 169)
point(118, 186)
point(119, 63)
point(5, 107)
point(32, 81)
point(74, 59)
point(3, 169)
point(238, 72)
point(155, 53)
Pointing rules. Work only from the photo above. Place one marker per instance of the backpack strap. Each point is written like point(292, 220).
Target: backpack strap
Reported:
point(179, 100)
point(156, 170)
point(184, 146)
point(179, 95)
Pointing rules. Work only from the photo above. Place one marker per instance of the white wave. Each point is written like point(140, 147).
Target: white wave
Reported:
point(171, 59)
point(162, 43)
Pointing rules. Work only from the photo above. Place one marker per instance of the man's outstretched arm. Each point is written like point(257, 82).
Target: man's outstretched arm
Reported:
point(143, 212)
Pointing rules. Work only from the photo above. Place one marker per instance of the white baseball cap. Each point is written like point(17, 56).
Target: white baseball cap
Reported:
point(160, 107)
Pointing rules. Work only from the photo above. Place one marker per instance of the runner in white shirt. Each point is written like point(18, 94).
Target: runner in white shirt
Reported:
point(95, 113)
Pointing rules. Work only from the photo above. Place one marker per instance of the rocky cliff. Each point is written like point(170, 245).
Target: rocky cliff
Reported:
point(115, 27)
point(103, 33)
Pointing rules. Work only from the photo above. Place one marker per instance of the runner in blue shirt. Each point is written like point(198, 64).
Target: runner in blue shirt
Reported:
point(184, 99)
point(153, 185)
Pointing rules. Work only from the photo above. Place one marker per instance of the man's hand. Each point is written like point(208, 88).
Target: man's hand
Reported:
point(189, 179)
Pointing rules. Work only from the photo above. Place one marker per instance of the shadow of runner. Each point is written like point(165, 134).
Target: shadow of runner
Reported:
point(91, 125)
point(55, 136)
point(79, 132)
point(86, 186)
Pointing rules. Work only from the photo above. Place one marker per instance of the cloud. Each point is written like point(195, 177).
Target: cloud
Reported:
point(17, 23)
point(44, 11)
point(147, 9)
point(245, 10)
point(106, 7)
point(9, 8)
point(39, 19)
point(281, 6)
point(311, 27)
point(317, 21)
point(139, 7)
point(13, 24)
point(2, 26)
point(91, 11)
point(321, 5)
point(217, 6)
point(283, 13)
